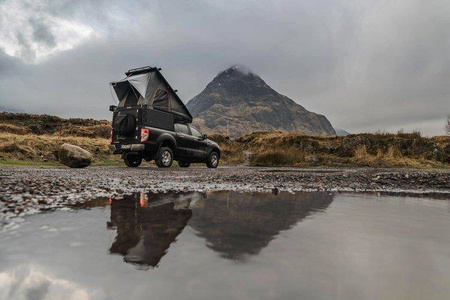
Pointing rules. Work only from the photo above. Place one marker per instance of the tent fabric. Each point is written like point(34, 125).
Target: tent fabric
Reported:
point(140, 83)
point(161, 99)
point(150, 89)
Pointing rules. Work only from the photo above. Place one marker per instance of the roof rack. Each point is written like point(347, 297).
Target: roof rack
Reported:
point(141, 70)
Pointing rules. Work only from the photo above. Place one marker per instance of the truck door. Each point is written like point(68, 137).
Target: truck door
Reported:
point(199, 144)
point(183, 140)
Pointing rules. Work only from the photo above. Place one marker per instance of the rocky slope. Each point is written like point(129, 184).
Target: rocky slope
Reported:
point(341, 132)
point(239, 102)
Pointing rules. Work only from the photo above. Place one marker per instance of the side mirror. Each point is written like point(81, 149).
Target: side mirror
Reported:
point(205, 136)
point(112, 108)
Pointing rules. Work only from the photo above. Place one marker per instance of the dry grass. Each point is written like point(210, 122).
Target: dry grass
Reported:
point(232, 152)
point(371, 150)
point(275, 158)
point(5, 127)
point(34, 138)
point(40, 148)
point(361, 152)
point(20, 123)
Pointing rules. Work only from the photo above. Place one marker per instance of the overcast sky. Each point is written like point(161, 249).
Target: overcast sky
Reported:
point(366, 65)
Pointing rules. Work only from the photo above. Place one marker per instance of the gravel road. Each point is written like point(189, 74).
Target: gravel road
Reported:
point(27, 190)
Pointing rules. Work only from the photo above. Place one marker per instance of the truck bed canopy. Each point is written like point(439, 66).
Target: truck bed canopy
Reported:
point(147, 86)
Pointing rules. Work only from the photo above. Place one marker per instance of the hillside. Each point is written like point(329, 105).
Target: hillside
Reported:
point(31, 139)
point(341, 132)
point(23, 123)
point(239, 102)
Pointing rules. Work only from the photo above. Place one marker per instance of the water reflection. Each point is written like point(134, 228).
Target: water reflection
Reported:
point(236, 225)
point(147, 224)
point(233, 224)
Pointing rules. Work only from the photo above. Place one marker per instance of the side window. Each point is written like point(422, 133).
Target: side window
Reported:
point(195, 132)
point(181, 128)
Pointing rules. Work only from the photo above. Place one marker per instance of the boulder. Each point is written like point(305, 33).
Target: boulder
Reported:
point(74, 156)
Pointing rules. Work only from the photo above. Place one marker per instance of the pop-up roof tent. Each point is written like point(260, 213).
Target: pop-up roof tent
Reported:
point(147, 86)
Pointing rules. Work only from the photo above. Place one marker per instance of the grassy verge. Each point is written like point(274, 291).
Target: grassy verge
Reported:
point(31, 149)
point(257, 149)
point(385, 150)
point(26, 163)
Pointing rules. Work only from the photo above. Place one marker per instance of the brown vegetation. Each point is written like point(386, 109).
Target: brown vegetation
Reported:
point(40, 148)
point(232, 153)
point(371, 149)
point(32, 138)
point(21, 123)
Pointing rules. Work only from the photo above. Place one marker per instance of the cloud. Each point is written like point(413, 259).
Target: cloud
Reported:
point(42, 33)
point(32, 33)
point(29, 282)
point(365, 65)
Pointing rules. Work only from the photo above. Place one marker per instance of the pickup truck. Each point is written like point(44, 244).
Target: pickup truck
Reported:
point(152, 123)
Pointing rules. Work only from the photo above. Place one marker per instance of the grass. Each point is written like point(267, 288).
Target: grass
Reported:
point(39, 149)
point(275, 158)
point(32, 139)
point(359, 150)
point(26, 163)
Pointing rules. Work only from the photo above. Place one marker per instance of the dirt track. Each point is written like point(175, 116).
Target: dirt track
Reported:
point(28, 190)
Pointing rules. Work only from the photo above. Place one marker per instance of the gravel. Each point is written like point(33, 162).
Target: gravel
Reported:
point(28, 190)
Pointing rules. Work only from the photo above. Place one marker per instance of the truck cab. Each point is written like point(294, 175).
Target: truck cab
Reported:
point(152, 123)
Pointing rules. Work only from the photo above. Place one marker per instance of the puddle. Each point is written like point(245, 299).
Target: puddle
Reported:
point(230, 245)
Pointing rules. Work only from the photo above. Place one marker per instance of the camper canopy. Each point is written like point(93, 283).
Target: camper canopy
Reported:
point(147, 86)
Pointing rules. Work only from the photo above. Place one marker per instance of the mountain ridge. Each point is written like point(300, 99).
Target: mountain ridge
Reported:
point(237, 102)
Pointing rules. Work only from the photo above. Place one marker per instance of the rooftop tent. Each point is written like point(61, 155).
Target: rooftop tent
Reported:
point(147, 86)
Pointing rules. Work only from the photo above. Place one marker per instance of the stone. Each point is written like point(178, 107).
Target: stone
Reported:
point(74, 156)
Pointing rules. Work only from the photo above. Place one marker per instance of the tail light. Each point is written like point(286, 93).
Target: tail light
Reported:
point(111, 136)
point(145, 134)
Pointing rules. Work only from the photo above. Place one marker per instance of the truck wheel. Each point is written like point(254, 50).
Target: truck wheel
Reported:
point(132, 160)
point(213, 160)
point(184, 164)
point(165, 157)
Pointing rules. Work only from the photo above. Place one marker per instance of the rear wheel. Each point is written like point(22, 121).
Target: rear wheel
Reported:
point(213, 160)
point(165, 157)
point(184, 164)
point(132, 160)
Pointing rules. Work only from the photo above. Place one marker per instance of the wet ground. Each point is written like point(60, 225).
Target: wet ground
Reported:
point(232, 245)
point(28, 190)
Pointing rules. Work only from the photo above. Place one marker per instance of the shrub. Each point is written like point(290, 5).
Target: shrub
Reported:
point(273, 158)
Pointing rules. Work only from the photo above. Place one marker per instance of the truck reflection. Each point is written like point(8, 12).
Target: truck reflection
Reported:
point(235, 225)
point(147, 224)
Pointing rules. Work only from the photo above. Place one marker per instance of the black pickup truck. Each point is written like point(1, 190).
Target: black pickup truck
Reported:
point(152, 123)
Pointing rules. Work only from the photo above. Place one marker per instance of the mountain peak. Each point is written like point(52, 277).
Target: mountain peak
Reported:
point(236, 69)
point(237, 102)
point(237, 75)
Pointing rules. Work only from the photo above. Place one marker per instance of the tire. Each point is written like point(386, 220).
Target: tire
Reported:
point(213, 160)
point(183, 164)
point(165, 157)
point(132, 160)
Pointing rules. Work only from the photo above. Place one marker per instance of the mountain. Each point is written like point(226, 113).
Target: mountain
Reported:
point(341, 132)
point(238, 102)
point(9, 109)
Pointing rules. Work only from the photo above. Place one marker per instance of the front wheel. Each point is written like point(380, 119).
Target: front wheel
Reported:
point(132, 160)
point(213, 160)
point(165, 157)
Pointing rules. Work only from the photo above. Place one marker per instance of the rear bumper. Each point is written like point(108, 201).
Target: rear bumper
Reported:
point(147, 147)
point(117, 148)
